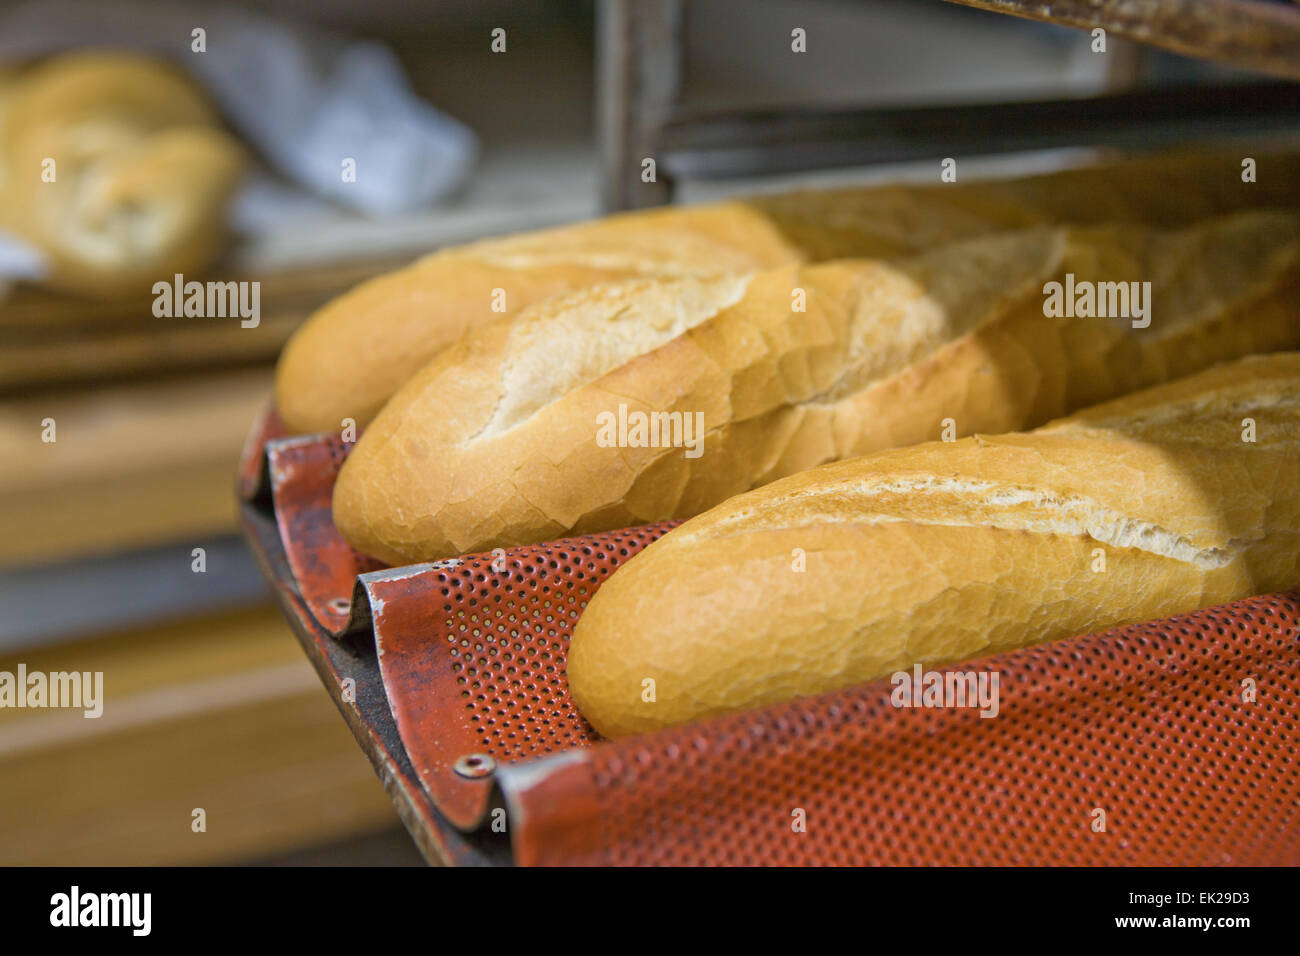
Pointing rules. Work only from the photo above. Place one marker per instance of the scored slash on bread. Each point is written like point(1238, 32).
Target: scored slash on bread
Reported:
point(352, 354)
point(494, 444)
point(355, 352)
point(946, 551)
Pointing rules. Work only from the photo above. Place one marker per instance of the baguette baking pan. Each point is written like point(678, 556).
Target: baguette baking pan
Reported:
point(1173, 742)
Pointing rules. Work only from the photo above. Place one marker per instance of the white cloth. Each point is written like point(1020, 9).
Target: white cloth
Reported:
point(305, 100)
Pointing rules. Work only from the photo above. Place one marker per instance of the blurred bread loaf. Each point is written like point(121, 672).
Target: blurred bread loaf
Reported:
point(498, 441)
point(948, 551)
point(116, 168)
point(355, 352)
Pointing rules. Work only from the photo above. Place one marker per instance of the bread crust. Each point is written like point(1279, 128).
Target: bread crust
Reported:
point(351, 355)
point(495, 443)
point(143, 171)
point(947, 551)
point(355, 352)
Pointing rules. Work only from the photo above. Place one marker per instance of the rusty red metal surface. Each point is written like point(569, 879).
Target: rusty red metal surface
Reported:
point(252, 458)
point(346, 665)
point(1181, 736)
point(462, 705)
point(472, 652)
point(302, 472)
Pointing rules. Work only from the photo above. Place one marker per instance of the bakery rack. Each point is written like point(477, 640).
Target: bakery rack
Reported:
point(451, 678)
point(640, 66)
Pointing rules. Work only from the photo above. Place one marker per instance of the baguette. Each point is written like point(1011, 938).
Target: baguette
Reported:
point(356, 351)
point(948, 551)
point(142, 171)
point(352, 354)
point(501, 440)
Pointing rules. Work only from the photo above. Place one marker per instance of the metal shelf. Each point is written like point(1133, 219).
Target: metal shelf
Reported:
point(1255, 35)
point(368, 715)
point(640, 56)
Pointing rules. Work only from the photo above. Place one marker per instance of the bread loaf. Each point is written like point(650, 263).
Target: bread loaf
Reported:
point(517, 433)
point(116, 168)
point(354, 353)
point(1176, 498)
point(351, 355)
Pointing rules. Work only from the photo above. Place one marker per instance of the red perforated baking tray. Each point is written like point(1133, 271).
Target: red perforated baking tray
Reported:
point(1168, 743)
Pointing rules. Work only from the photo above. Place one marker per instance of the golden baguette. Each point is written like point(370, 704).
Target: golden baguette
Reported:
point(499, 442)
point(1140, 508)
point(353, 353)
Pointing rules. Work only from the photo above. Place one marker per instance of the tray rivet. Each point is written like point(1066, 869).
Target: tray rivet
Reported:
point(340, 605)
point(474, 766)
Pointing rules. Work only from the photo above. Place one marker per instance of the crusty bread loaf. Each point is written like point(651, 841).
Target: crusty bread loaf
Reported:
point(141, 171)
point(498, 441)
point(351, 355)
point(355, 352)
point(1137, 509)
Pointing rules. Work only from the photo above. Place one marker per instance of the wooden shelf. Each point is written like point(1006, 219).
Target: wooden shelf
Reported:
point(133, 465)
point(58, 340)
point(220, 713)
